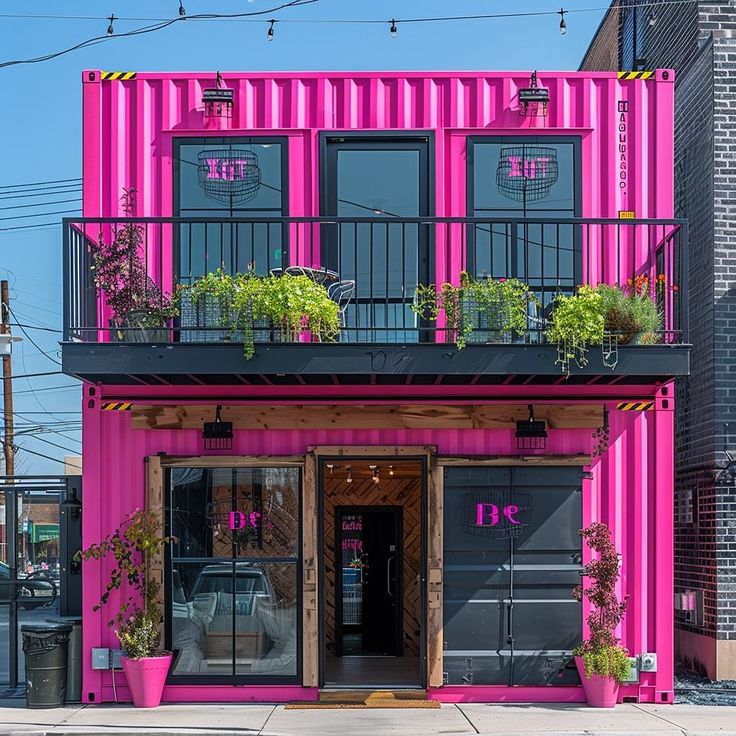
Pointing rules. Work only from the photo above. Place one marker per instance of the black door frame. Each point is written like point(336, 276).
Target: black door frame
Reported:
point(398, 516)
point(322, 461)
point(424, 142)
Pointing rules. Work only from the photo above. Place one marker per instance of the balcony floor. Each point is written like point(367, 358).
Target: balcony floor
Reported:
point(354, 364)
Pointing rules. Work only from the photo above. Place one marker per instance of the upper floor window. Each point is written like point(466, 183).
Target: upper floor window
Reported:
point(240, 181)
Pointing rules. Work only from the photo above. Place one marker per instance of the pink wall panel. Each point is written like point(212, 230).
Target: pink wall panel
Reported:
point(629, 490)
point(128, 126)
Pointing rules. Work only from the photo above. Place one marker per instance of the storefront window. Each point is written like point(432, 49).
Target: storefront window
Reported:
point(512, 556)
point(229, 179)
point(233, 573)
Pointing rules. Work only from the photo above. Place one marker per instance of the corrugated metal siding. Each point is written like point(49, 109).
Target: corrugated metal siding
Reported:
point(129, 126)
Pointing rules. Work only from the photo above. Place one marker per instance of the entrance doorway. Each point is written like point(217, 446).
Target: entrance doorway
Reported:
point(372, 546)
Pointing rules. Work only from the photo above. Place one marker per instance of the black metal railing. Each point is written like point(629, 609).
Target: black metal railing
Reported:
point(387, 258)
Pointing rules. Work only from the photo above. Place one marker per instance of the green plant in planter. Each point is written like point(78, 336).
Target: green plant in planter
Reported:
point(499, 306)
point(138, 620)
point(602, 652)
point(577, 323)
point(629, 315)
point(288, 304)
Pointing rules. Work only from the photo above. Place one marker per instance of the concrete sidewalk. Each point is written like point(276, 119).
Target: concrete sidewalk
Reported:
point(271, 720)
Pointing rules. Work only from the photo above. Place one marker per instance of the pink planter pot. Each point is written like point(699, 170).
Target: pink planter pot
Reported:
point(146, 679)
point(600, 692)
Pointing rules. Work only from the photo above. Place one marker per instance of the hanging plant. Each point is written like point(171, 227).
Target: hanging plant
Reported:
point(577, 323)
point(478, 310)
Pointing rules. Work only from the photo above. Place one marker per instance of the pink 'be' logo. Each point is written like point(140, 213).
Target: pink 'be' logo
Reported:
point(239, 520)
point(488, 514)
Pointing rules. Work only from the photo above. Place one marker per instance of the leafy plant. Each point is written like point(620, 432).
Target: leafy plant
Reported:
point(130, 544)
point(289, 304)
point(602, 651)
point(577, 323)
point(500, 305)
point(629, 314)
point(119, 272)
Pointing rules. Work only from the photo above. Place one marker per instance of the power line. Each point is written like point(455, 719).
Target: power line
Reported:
point(38, 226)
point(32, 341)
point(54, 444)
point(39, 183)
point(35, 327)
point(47, 457)
point(70, 189)
point(39, 204)
point(34, 375)
point(40, 214)
point(23, 413)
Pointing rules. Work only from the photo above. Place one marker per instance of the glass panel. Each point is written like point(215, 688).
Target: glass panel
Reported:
point(351, 571)
point(230, 613)
point(202, 617)
point(266, 621)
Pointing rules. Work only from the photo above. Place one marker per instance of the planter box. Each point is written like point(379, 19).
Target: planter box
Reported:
point(207, 315)
point(486, 327)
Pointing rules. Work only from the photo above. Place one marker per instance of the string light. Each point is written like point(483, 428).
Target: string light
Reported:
point(563, 25)
point(349, 468)
point(110, 29)
point(270, 34)
point(182, 12)
point(375, 469)
point(393, 30)
point(652, 18)
point(390, 469)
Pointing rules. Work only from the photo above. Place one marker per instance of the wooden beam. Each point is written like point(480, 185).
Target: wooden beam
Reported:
point(371, 416)
point(231, 461)
point(155, 502)
point(310, 579)
point(435, 544)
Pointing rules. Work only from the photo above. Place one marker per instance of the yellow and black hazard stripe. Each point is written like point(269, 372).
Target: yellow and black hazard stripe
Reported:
point(635, 75)
point(635, 406)
point(116, 406)
point(122, 76)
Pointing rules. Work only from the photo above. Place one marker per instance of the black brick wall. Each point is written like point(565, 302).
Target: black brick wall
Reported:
point(698, 40)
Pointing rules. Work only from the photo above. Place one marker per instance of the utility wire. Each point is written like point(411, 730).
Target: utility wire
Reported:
point(38, 204)
point(43, 192)
point(39, 183)
point(38, 226)
point(47, 457)
point(36, 327)
point(30, 339)
point(40, 214)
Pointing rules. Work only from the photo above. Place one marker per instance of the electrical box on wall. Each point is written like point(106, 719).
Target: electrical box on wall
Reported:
point(648, 662)
point(101, 658)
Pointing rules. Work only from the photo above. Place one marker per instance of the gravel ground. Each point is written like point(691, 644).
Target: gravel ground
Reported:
point(698, 690)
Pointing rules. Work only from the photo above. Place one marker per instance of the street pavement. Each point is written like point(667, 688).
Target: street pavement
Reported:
point(629, 719)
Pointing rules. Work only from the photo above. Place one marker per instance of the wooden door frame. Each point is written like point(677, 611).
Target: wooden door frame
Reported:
point(430, 594)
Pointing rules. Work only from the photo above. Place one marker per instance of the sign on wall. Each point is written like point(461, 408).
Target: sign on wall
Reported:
point(229, 175)
point(527, 173)
point(496, 513)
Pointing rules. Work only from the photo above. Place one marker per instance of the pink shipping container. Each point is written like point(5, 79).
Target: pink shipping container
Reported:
point(378, 517)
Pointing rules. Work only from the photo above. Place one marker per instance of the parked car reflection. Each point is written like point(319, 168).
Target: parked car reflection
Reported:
point(38, 588)
point(232, 614)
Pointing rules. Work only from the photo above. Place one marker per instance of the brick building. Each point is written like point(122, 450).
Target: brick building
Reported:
point(698, 40)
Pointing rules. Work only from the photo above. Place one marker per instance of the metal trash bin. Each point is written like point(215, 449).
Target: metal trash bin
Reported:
point(45, 650)
point(74, 657)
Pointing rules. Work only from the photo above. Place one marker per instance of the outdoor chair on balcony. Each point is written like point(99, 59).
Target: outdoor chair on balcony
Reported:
point(342, 292)
point(321, 275)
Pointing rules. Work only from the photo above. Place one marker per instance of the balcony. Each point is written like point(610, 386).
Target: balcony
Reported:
point(129, 332)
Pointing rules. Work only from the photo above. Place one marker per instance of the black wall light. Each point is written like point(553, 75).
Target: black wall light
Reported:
point(217, 435)
point(531, 434)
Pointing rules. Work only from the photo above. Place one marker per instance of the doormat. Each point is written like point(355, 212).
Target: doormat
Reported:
point(365, 705)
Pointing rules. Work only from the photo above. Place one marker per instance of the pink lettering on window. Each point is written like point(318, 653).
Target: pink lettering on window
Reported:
point(239, 520)
point(487, 514)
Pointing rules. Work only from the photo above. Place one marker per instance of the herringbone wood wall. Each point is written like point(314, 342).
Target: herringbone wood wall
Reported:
point(404, 492)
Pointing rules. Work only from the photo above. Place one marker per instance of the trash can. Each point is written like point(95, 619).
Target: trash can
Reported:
point(45, 650)
point(73, 658)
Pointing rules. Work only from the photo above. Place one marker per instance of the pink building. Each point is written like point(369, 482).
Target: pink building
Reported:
point(382, 513)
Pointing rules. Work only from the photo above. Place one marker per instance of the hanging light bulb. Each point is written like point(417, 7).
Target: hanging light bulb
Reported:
point(375, 470)
point(110, 29)
point(182, 12)
point(349, 468)
point(331, 468)
point(390, 469)
point(652, 20)
point(393, 30)
point(563, 24)
point(270, 34)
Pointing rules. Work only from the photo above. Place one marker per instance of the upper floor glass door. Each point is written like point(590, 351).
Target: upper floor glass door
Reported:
point(376, 182)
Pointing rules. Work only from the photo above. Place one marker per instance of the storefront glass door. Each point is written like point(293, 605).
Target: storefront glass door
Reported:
point(512, 556)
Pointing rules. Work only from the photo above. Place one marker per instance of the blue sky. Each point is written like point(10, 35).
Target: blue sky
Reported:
point(40, 127)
